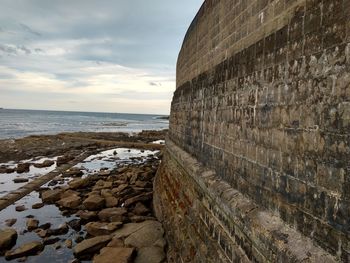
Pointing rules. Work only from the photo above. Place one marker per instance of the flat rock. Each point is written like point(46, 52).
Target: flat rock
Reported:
point(46, 163)
point(37, 205)
point(70, 202)
point(64, 159)
point(150, 255)
point(20, 180)
point(94, 202)
point(51, 196)
point(115, 255)
point(61, 230)
point(138, 198)
point(32, 224)
point(73, 172)
point(79, 183)
point(20, 208)
point(87, 215)
point(146, 236)
point(115, 214)
point(28, 249)
point(88, 247)
point(100, 228)
point(8, 238)
point(131, 228)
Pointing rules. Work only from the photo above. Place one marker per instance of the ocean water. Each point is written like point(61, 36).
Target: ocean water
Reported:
point(21, 123)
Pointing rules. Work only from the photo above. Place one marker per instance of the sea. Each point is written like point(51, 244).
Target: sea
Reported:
point(21, 123)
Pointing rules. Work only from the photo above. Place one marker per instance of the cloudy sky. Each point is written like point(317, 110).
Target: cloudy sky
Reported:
point(91, 55)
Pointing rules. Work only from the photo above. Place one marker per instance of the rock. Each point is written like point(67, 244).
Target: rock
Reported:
point(61, 230)
point(111, 201)
point(119, 188)
point(146, 236)
point(6, 170)
point(79, 183)
point(20, 208)
point(99, 229)
point(150, 255)
point(68, 243)
point(20, 180)
point(115, 255)
point(51, 196)
point(41, 233)
point(115, 214)
point(37, 205)
point(46, 163)
point(64, 159)
point(94, 202)
point(70, 202)
point(73, 172)
point(102, 185)
point(141, 197)
point(23, 168)
point(50, 241)
point(87, 215)
point(32, 224)
point(8, 238)
point(88, 247)
point(116, 242)
point(75, 224)
point(10, 222)
point(106, 193)
point(141, 184)
point(130, 228)
point(140, 209)
point(137, 219)
point(28, 249)
point(45, 226)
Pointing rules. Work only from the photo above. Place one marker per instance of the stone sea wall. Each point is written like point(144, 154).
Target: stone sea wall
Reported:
point(257, 163)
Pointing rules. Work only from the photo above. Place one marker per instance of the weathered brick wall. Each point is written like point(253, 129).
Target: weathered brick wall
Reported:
point(263, 99)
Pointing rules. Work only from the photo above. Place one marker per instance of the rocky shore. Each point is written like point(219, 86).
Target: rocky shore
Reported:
point(98, 210)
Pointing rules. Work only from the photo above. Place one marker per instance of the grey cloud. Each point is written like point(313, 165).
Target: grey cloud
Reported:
point(155, 84)
point(29, 30)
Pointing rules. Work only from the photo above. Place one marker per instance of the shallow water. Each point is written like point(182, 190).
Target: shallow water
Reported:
point(6, 180)
point(51, 213)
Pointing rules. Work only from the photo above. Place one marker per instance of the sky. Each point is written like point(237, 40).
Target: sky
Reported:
point(91, 55)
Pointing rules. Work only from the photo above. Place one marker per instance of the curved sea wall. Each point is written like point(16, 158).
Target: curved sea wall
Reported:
point(257, 161)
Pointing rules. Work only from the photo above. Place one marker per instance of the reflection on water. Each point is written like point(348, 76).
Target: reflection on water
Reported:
point(110, 159)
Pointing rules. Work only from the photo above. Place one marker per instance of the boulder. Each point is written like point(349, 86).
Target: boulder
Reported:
point(23, 168)
point(150, 255)
point(115, 255)
point(20, 180)
point(51, 196)
point(140, 209)
point(70, 201)
point(138, 198)
point(20, 208)
point(8, 238)
point(61, 230)
point(28, 249)
point(75, 224)
point(37, 205)
point(100, 229)
point(88, 247)
point(46, 163)
point(94, 202)
point(68, 243)
point(10, 222)
point(32, 224)
point(73, 172)
point(79, 183)
point(64, 159)
point(115, 214)
point(146, 236)
point(87, 215)
point(111, 201)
